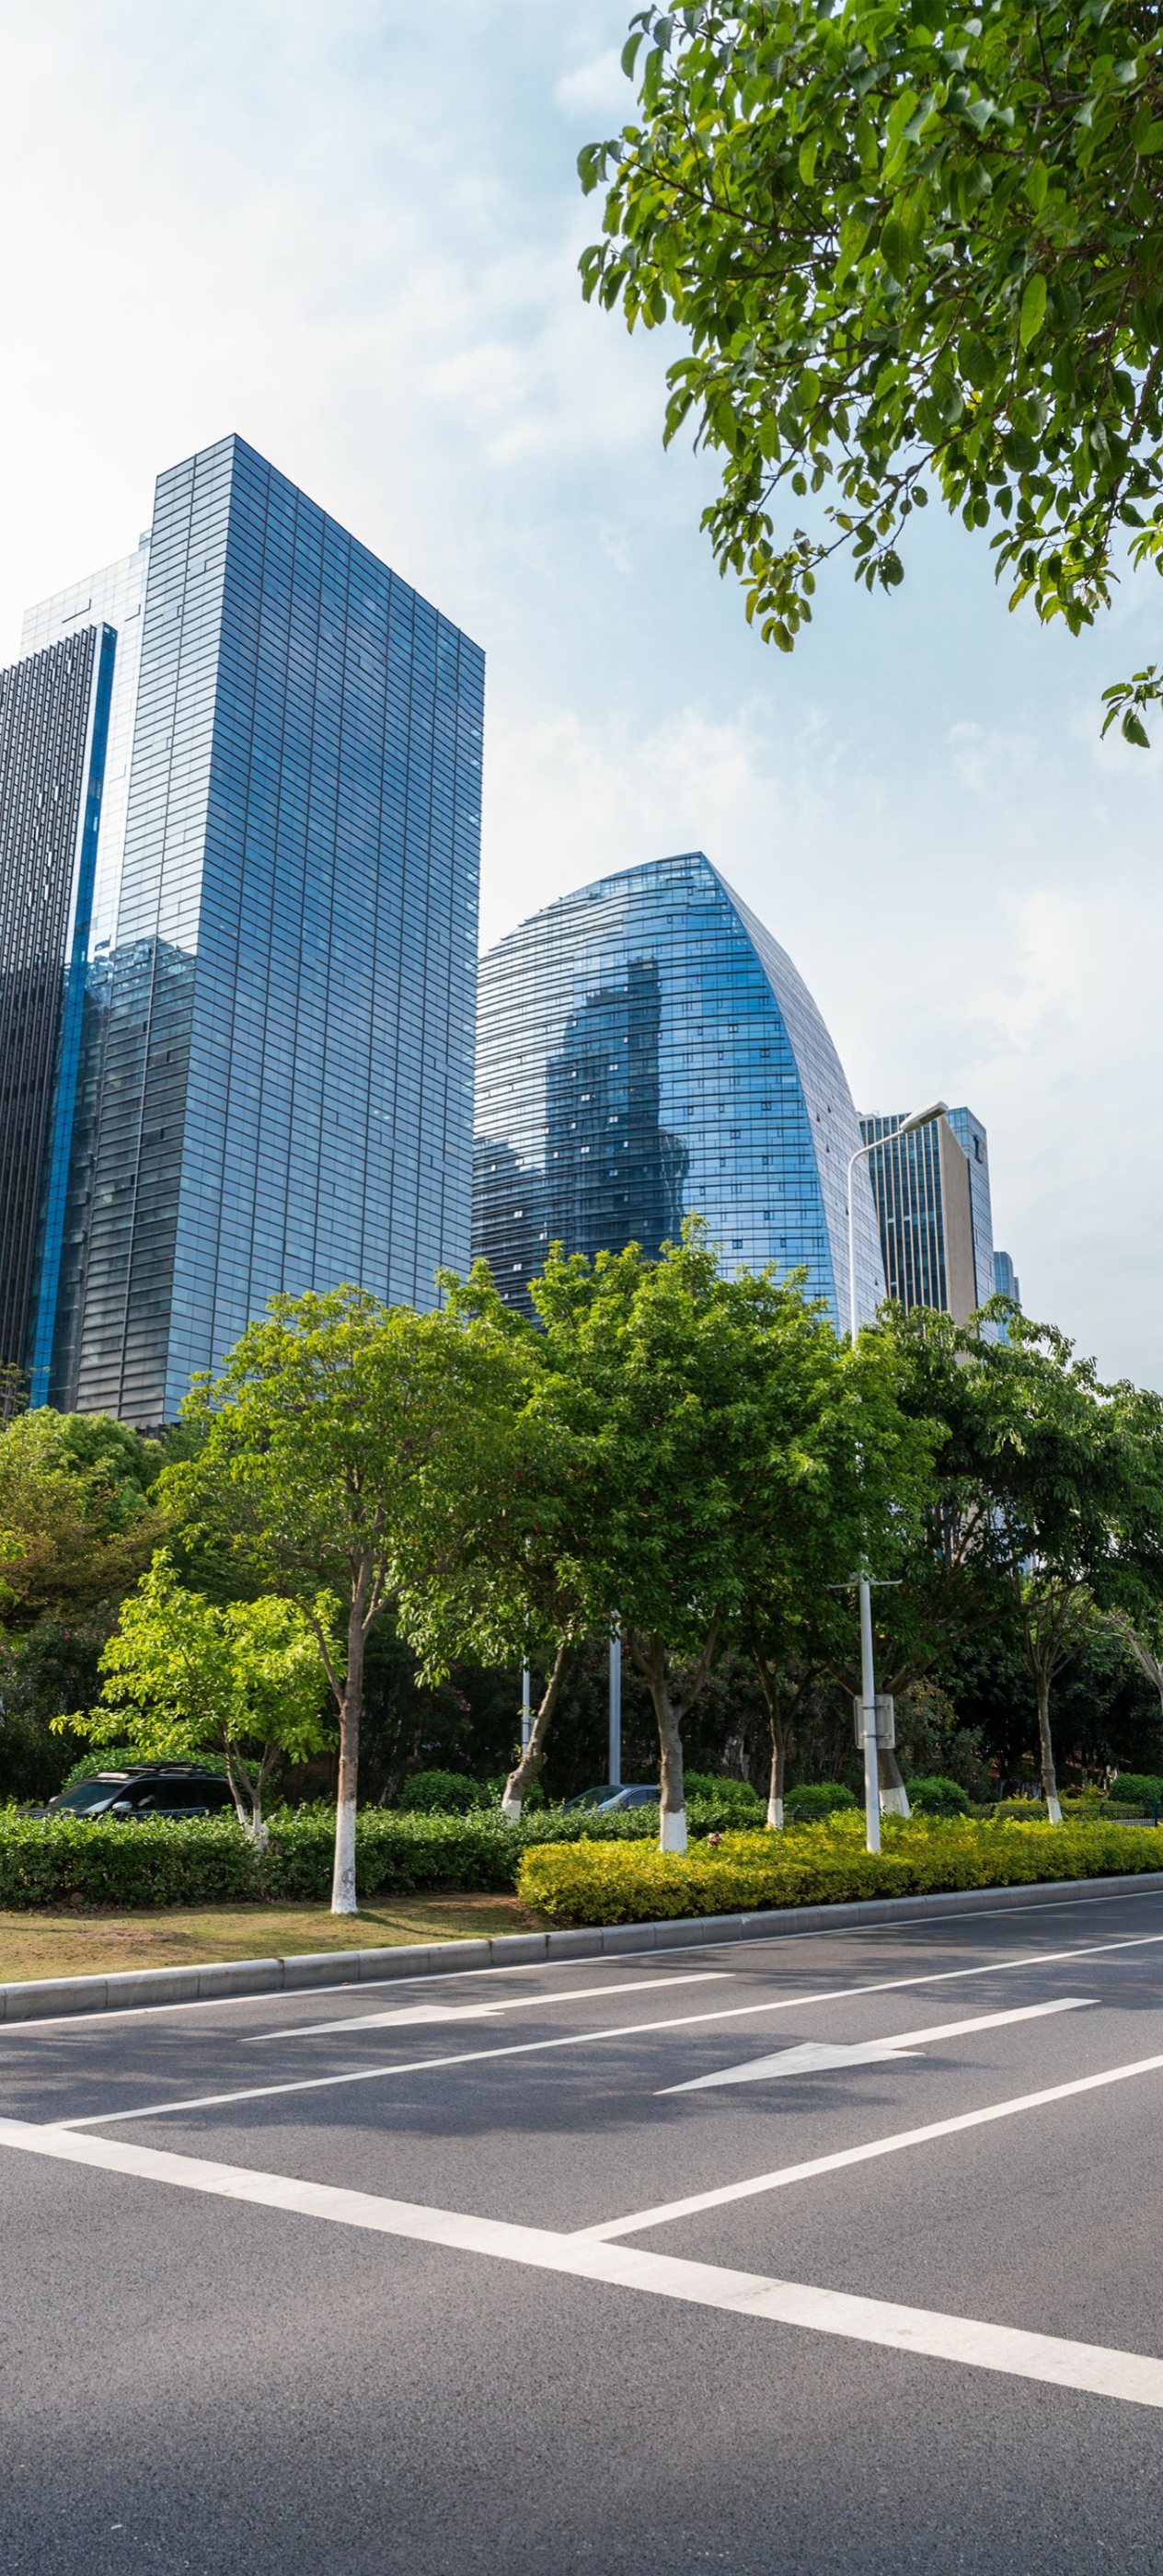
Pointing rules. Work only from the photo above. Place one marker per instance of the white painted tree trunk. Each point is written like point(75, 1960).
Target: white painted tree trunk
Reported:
point(894, 1797)
point(343, 1894)
point(1049, 1775)
point(511, 1808)
point(672, 1836)
point(343, 1899)
point(775, 1814)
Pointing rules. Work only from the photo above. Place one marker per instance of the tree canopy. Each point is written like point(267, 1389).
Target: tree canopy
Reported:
point(912, 252)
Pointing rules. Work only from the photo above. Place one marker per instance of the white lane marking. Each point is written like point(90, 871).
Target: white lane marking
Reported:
point(1097, 2369)
point(32, 2029)
point(815, 2056)
point(864, 2155)
point(412, 2015)
point(531, 2047)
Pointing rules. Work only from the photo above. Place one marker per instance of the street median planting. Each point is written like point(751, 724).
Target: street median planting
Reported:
point(60, 1860)
point(826, 1864)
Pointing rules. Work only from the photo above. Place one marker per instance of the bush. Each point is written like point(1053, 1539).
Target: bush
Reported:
point(823, 1865)
point(816, 1798)
point(937, 1796)
point(1137, 1789)
point(443, 1793)
point(717, 1790)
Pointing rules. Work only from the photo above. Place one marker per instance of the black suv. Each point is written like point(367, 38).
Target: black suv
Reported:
point(146, 1789)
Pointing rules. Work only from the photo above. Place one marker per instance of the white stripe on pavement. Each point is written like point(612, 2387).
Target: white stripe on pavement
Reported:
point(815, 2056)
point(1096, 2369)
point(777, 2181)
point(412, 2015)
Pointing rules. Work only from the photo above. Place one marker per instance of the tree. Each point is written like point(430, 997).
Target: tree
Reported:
point(725, 1441)
point(525, 1585)
point(79, 1515)
point(909, 253)
point(345, 1448)
point(183, 1676)
point(1049, 1486)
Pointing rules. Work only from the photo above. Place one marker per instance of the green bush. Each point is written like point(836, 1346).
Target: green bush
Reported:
point(937, 1796)
point(816, 1798)
point(445, 1793)
point(822, 1865)
point(1137, 1789)
point(715, 1789)
point(1020, 1811)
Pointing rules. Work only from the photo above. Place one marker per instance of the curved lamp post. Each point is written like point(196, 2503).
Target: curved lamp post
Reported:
point(907, 1127)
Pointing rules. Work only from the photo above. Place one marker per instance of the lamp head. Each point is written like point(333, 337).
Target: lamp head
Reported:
point(921, 1117)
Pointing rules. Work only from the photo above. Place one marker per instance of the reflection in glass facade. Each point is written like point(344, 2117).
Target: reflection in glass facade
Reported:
point(933, 1205)
point(645, 1050)
point(275, 1068)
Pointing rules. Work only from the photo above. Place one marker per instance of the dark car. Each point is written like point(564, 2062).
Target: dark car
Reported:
point(609, 1799)
point(170, 1789)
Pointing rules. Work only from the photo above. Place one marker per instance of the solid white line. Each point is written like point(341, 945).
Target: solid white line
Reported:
point(864, 2155)
point(583, 2038)
point(815, 2058)
point(412, 2015)
point(1133, 2378)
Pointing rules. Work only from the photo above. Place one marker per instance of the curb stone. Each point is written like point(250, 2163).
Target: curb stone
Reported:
point(132, 1989)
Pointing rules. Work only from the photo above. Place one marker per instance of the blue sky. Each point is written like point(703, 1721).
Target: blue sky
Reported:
point(351, 233)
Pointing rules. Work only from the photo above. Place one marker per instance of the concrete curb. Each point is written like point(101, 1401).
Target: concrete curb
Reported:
point(130, 1990)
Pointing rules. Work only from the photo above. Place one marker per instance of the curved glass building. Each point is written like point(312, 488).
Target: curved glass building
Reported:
point(645, 1050)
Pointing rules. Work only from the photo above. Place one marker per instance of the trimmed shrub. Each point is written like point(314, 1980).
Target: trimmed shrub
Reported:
point(816, 1798)
point(937, 1796)
point(822, 1865)
point(444, 1793)
point(1136, 1789)
point(715, 1789)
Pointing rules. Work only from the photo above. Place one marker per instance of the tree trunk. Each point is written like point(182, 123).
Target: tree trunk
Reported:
point(533, 1757)
point(894, 1797)
point(343, 1895)
point(1049, 1778)
point(652, 1661)
point(779, 1737)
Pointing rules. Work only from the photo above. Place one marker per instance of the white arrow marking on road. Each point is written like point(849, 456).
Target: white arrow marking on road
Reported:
point(813, 2056)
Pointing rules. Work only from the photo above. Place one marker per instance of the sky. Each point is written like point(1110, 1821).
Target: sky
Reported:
point(351, 233)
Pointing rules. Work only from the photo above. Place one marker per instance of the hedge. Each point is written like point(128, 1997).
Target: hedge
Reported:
point(821, 1865)
point(62, 1859)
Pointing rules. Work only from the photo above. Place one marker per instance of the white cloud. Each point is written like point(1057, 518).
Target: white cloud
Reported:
point(599, 88)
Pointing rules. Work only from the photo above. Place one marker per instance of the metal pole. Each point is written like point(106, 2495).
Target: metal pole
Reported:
point(867, 1675)
point(615, 1770)
point(868, 1721)
point(526, 1709)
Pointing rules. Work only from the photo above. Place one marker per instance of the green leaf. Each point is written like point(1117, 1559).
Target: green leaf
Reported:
point(1033, 308)
point(894, 244)
point(807, 159)
point(1133, 731)
point(1037, 182)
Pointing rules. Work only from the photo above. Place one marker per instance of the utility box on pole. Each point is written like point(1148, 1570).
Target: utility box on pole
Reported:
point(885, 1720)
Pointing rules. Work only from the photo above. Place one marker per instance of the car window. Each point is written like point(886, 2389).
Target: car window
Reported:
point(87, 1794)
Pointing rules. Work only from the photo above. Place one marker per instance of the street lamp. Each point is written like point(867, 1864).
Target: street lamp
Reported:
point(907, 1127)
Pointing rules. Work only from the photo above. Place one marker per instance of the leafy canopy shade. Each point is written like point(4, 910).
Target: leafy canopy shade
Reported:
point(909, 249)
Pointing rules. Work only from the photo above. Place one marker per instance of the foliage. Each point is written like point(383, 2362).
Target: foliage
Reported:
point(735, 1794)
point(78, 1515)
point(936, 1796)
point(344, 1450)
point(445, 1793)
point(816, 1798)
point(121, 1757)
point(1138, 1789)
point(182, 1674)
point(724, 1448)
point(45, 1672)
point(907, 257)
point(820, 1865)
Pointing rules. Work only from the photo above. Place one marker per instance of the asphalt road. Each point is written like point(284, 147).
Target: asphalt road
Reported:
point(657, 2263)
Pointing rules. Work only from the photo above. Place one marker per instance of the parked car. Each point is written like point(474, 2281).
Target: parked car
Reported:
point(607, 1800)
point(171, 1789)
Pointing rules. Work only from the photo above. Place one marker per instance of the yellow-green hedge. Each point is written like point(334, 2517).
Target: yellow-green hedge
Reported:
point(822, 1864)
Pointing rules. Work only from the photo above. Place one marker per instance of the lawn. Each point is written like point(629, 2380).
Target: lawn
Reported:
point(70, 1944)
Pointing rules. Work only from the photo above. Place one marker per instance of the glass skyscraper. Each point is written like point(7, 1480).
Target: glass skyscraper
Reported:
point(645, 1050)
point(260, 1058)
point(933, 1206)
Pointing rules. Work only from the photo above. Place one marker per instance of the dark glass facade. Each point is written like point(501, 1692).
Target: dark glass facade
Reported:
point(645, 1050)
point(933, 1207)
point(275, 1086)
point(54, 712)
